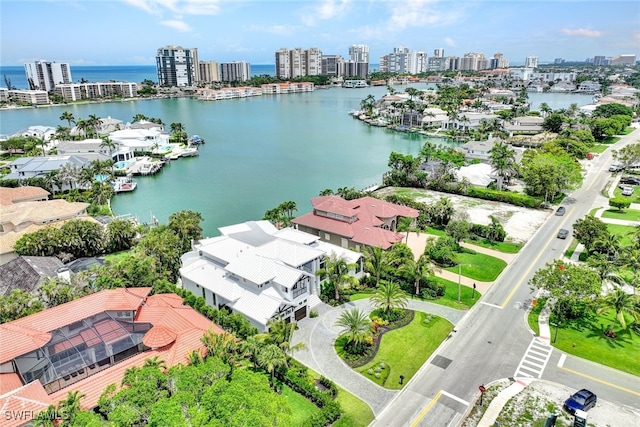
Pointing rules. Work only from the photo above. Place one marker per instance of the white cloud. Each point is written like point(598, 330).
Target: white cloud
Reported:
point(583, 32)
point(450, 42)
point(327, 9)
point(422, 13)
point(177, 25)
point(187, 7)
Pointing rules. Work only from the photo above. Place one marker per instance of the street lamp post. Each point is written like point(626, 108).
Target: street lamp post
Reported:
point(459, 279)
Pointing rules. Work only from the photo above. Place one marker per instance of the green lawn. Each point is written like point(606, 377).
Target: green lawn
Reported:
point(598, 148)
point(356, 413)
point(571, 249)
point(301, 407)
point(627, 214)
point(476, 266)
point(589, 342)
point(409, 192)
point(534, 314)
point(622, 231)
point(116, 256)
point(635, 198)
point(506, 247)
point(435, 232)
point(468, 297)
point(404, 350)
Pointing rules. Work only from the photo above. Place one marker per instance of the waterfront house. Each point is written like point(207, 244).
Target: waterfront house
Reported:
point(353, 224)
point(524, 125)
point(434, 117)
point(38, 167)
point(478, 150)
point(87, 344)
point(134, 138)
point(469, 120)
point(259, 271)
point(87, 148)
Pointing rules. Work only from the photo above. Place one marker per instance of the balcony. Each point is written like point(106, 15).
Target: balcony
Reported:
point(297, 292)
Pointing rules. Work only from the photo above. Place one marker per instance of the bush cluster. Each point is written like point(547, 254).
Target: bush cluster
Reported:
point(488, 232)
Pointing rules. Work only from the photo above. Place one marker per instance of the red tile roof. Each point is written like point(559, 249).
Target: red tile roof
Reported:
point(165, 312)
point(23, 404)
point(371, 214)
point(32, 332)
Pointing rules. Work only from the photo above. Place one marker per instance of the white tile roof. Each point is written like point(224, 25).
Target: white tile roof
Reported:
point(224, 248)
point(286, 276)
point(210, 277)
point(297, 236)
point(290, 253)
point(350, 256)
point(260, 307)
point(252, 267)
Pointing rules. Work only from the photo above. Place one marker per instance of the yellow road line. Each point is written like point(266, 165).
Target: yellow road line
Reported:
point(601, 381)
point(426, 409)
point(535, 261)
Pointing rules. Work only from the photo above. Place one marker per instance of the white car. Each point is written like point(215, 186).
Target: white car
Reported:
point(627, 191)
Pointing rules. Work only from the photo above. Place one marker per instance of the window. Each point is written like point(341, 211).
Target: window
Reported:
point(327, 236)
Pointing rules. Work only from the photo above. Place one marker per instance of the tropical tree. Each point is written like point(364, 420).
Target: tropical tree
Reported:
point(108, 144)
point(356, 329)
point(94, 123)
point(70, 406)
point(186, 224)
point(281, 334)
point(222, 345)
point(503, 162)
point(544, 107)
point(337, 272)
point(622, 303)
point(271, 357)
point(68, 174)
point(417, 270)
point(155, 362)
point(139, 117)
point(83, 126)
point(68, 116)
point(375, 261)
point(389, 297)
point(367, 104)
point(589, 230)
point(121, 235)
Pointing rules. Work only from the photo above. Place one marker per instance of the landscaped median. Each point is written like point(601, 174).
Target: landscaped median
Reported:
point(391, 362)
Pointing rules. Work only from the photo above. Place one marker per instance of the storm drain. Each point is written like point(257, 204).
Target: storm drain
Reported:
point(441, 362)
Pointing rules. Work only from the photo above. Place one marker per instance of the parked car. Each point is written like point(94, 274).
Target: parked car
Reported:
point(561, 210)
point(627, 191)
point(630, 180)
point(563, 233)
point(615, 168)
point(581, 400)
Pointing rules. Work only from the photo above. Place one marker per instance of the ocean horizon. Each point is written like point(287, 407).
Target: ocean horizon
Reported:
point(120, 73)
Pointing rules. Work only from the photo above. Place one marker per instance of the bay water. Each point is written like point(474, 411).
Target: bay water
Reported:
point(259, 151)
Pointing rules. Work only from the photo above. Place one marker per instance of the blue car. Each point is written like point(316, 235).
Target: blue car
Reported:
point(582, 400)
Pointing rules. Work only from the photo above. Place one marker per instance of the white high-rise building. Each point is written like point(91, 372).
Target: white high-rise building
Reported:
point(531, 62)
point(438, 53)
point(395, 62)
point(209, 71)
point(292, 63)
point(177, 66)
point(45, 75)
point(235, 71)
point(359, 53)
point(417, 62)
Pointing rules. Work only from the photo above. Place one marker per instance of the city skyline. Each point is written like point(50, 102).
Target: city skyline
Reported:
point(129, 32)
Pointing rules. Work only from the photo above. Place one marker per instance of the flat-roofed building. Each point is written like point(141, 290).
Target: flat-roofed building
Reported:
point(177, 66)
point(235, 71)
point(45, 75)
point(35, 97)
point(209, 71)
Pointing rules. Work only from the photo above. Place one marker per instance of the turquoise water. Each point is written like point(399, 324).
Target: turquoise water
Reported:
point(122, 164)
point(259, 151)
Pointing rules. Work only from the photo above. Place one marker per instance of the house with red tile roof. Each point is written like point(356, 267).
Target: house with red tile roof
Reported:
point(87, 344)
point(366, 221)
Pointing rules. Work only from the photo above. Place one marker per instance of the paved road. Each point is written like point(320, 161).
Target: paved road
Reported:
point(490, 341)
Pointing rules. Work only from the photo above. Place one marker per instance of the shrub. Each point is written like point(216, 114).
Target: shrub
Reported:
point(313, 314)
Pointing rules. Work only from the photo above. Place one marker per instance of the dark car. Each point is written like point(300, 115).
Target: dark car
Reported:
point(582, 400)
point(561, 210)
point(630, 180)
point(563, 233)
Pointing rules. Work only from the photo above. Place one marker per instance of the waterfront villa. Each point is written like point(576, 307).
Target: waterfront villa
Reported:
point(259, 271)
point(354, 223)
point(87, 344)
point(139, 139)
point(38, 167)
point(86, 147)
point(478, 150)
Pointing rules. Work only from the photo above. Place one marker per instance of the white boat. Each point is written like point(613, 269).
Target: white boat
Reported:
point(196, 140)
point(123, 184)
point(189, 152)
point(354, 83)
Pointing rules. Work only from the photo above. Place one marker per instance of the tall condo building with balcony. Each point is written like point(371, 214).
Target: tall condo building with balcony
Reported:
point(437, 62)
point(358, 64)
point(209, 71)
point(291, 63)
point(235, 71)
point(45, 75)
point(531, 62)
point(177, 66)
point(395, 62)
point(359, 53)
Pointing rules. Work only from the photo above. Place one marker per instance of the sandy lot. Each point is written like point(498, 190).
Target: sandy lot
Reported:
point(519, 223)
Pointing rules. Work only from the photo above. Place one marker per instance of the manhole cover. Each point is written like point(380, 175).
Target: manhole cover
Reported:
point(441, 362)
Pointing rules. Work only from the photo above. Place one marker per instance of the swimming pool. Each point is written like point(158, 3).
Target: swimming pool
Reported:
point(123, 164)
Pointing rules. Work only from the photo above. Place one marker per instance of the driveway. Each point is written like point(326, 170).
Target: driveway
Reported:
point(319, 334)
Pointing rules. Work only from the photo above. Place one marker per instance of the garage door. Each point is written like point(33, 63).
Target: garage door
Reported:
point(301, 313)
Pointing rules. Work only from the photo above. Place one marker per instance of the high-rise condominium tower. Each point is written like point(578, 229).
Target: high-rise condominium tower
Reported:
point(291, 63)
point(177, 66)
point(359, 53)
point(45, 75)
point(531, 62)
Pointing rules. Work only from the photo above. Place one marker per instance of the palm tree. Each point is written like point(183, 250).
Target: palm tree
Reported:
point(289, 207)
point(108, 144)
point(271, 357)
point(356, 327)
point(195, 358)
point(94, 123)
point(62, 133)
point(83, 126)
point(52, 180)
point(70, 406)
point(130, 375)
point(68, 116)
point(418, 270)
point(281, 334)
point(503, 161)
point(67, 174)
point(222, 345)
point(609, 245)
point(389, 296)
point(139, 117)
point(337, 271)
point(375, 261)
point(154, 362)
point(251, 348)
point(630, 258)
point(544, 107)
point(368, 103)
point(622, 303)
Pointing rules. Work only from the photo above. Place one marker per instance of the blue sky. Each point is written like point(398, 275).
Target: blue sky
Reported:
point(128, 32)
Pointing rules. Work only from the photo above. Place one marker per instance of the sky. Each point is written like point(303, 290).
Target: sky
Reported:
point(129, 32)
